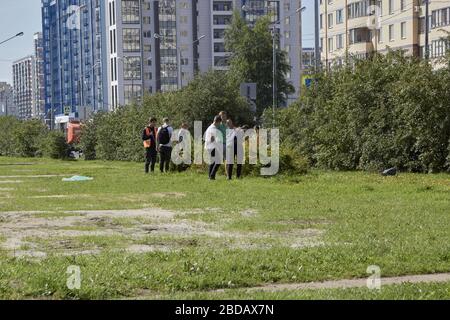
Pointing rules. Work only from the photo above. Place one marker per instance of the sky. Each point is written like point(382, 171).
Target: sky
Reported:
point(25, 16)
point(17, 16)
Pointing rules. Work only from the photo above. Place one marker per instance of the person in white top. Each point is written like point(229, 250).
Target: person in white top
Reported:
point(214, 146)
point(164, 142)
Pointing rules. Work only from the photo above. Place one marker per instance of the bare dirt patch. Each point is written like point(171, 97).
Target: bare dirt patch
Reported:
point(175, 195)
point(37, 234)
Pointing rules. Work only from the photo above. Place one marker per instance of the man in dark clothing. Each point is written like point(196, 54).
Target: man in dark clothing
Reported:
point(149, 137)
point(164, 141)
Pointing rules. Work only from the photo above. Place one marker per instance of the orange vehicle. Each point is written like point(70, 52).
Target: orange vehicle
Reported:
point(73, 132)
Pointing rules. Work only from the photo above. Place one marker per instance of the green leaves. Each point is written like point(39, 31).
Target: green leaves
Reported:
point(389, 110)
point(252, 60)
point(117, 135)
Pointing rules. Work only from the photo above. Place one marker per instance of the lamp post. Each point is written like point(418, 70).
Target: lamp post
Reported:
point(179, 57)
point(20, 34)
point(274, 56)
point(427, 29)
point(317, 53)
point(81, 84)
point(134, 65)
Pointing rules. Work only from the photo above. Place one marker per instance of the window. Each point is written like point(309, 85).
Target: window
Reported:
point(402, 5)
point(131, 40)
point(330, 20)
point(130, 11)
point(132, 68)
point(339, 41)
point(339, 16)
point(438, 48)
point(391, 6)
point(391, 33)
point(403, 30)
point(440, 18)
point(132, 92)
point(380, 35)
point(358, 9)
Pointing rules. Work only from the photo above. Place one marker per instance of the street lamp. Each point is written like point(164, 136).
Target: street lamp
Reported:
point(81, 83)
point(274, 54)
point(20, 34)
point(179, 56)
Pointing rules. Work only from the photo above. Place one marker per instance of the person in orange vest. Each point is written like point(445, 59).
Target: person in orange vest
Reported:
point(149, 137)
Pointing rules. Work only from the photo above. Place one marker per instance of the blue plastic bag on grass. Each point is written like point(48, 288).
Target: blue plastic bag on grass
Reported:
point(77, 178)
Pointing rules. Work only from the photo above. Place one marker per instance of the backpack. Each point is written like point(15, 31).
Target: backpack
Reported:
point(164, 135)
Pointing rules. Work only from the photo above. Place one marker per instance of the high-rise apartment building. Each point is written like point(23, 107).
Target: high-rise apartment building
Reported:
point(439, 28)
point(24, 84)
point(358, 28)
point(7, 106)
point(74, 56)
point(160, 45)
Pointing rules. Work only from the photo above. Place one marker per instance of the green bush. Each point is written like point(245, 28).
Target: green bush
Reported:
point(53, 145)
point(117, 135)
point(386, 111)
point(292, 162)
point(7, 144)
point(27, 136)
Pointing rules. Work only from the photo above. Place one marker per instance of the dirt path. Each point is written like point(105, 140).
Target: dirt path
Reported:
point(350, 283)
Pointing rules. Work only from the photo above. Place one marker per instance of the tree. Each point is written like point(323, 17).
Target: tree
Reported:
point(117, 135)
point(390, 110)
point(252, 60)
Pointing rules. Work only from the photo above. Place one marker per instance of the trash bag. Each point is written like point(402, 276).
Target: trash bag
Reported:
point(77, 178)
point(389, 172)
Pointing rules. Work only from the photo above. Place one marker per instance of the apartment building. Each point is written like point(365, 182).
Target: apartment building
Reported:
point(215, 18)
point(160, 45)
point(39, 77)
point(439, 29)
point(358, 28)
point(23, 85)
point(74, 56)
point(7, 106)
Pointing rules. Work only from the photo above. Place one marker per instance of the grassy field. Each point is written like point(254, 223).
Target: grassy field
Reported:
point(182, 236)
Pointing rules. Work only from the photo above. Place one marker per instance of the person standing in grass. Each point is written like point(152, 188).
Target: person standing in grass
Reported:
point(223, 129)
point(164, 141)
point(214, 142)
point(235, 149)
point(149, 138)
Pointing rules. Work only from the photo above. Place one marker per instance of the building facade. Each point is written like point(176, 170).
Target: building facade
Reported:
point(358, 28)
point(39, 77)
point(23, 85)
point(74, 56)
point(155, 46)
point(7, 106)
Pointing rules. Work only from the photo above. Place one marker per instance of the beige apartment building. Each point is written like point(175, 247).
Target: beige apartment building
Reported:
point(358, 28)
